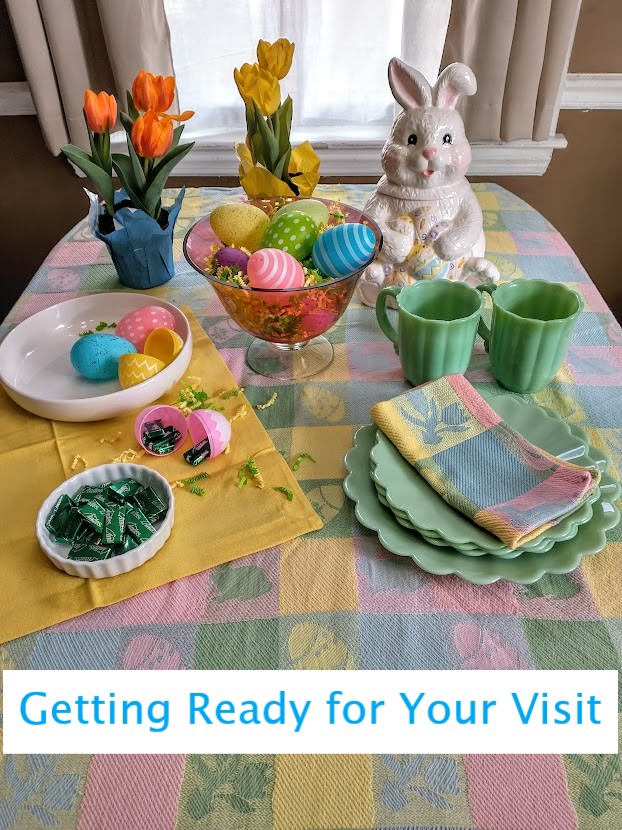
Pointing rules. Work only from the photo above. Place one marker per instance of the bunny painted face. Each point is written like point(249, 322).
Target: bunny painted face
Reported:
point(428, 147)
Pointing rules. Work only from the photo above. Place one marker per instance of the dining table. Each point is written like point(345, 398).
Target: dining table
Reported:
point(335, 598)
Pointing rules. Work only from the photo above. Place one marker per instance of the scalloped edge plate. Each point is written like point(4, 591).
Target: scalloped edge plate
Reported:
point(479, 570)
point(539, 425)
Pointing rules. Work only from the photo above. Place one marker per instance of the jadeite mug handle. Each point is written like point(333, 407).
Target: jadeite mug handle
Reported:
point(381, 313)
point(482, 328)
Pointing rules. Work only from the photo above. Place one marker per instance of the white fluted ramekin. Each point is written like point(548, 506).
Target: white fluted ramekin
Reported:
point(58, 553)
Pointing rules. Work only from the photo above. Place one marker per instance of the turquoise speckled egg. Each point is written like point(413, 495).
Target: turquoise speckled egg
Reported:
point(344, 249)
point(96, 356)
point(293, 232)
point(317, 210)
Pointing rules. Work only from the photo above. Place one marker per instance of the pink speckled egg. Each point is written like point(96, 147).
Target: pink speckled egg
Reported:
point(231, 258)
point(213, 426)
point(138, 325)
point(273, 269)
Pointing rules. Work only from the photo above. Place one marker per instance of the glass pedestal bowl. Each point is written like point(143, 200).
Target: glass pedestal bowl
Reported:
point(288, 325)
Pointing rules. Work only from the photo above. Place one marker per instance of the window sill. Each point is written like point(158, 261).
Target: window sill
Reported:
point(359, 154)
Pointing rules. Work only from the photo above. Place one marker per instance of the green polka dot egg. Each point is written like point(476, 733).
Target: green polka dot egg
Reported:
point(293, 232)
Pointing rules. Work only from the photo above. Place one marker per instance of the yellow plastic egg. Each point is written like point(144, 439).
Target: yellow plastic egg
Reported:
point(165, 344)
point(135, 368)
point(240, 224)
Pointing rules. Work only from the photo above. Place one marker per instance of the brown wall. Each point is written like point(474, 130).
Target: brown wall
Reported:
point(41, 198)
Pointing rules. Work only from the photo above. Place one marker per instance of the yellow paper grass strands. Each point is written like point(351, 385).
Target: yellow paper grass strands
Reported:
point(239, 413)
point(128, 455)
point(111, 439)
point(268, 403)
point(78, 459)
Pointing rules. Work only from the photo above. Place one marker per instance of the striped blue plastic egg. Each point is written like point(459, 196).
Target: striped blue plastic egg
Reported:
point(343, 249)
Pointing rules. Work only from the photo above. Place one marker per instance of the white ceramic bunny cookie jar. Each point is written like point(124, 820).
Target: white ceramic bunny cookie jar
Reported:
point(430, 219)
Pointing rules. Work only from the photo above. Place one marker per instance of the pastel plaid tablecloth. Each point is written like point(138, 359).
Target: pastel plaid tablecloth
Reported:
point(336, 600)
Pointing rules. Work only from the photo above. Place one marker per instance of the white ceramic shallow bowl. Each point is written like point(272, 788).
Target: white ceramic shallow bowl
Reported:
point(37, 374)
point(118, 564)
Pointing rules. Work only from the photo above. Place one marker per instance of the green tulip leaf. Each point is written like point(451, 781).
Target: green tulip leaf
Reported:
point(177, 135)
point(257, 148)
point(251, 121)
point(268, 140)
point(127, 122)
point(131, 107)
point(282, 165)
point(102, 181)
point(104, 152)
point(160, 174)
point(125, 172)
point(94, 154)
point(140, 180)
point(285, 124)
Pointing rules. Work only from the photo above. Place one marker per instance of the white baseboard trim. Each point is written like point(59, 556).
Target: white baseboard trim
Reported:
point(592, 91)
point(15, 99)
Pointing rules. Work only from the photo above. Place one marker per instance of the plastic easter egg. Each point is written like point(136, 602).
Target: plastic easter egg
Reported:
point(135, 368)
point(96, 356)
point(317, 210)
point(170, 416)
point(137, 325)
point(293, 232)
point(239, 224)
point(232, 258)
point(273, 269)
point(206, 424)
point(316, 322)
point(344, 249)
point(165, 344)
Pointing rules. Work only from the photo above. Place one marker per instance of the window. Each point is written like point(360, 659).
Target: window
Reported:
point(338, 80)
point(338, 77)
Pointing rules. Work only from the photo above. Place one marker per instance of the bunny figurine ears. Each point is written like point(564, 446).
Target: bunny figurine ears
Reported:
point(411, 89)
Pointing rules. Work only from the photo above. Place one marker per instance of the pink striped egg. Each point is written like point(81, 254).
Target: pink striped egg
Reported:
point(273, 269)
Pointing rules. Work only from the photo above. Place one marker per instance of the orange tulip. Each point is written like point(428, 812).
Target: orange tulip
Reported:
point(152, 136)
point(100, 111)
point(156, 92)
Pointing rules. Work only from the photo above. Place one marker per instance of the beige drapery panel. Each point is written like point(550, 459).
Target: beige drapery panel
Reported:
point(67, 46)
point(519, 51)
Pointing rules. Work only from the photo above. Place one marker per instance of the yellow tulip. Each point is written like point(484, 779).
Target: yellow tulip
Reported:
point(256, 84)
point(276, 57)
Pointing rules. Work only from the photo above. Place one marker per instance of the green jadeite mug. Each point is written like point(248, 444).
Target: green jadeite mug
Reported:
point(528, 337)
point(437, 324)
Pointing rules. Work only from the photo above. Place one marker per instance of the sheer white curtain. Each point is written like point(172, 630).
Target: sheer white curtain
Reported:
point(339, 76)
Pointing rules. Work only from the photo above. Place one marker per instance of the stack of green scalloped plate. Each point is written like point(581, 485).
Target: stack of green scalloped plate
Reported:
point(411, 519)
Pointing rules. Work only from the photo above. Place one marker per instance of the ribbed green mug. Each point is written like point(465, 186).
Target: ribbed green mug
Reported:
point(437, 324)
point(531, 324)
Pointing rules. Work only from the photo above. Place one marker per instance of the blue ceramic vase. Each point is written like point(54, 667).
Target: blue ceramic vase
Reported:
point(141, 250)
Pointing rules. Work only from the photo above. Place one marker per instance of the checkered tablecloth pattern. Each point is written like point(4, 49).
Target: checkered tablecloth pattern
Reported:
point(335, 599)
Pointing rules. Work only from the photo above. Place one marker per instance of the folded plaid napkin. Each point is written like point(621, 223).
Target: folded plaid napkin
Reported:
point(479, 464)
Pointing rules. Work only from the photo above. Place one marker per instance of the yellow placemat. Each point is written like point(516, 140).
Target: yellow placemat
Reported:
point(225, 524)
